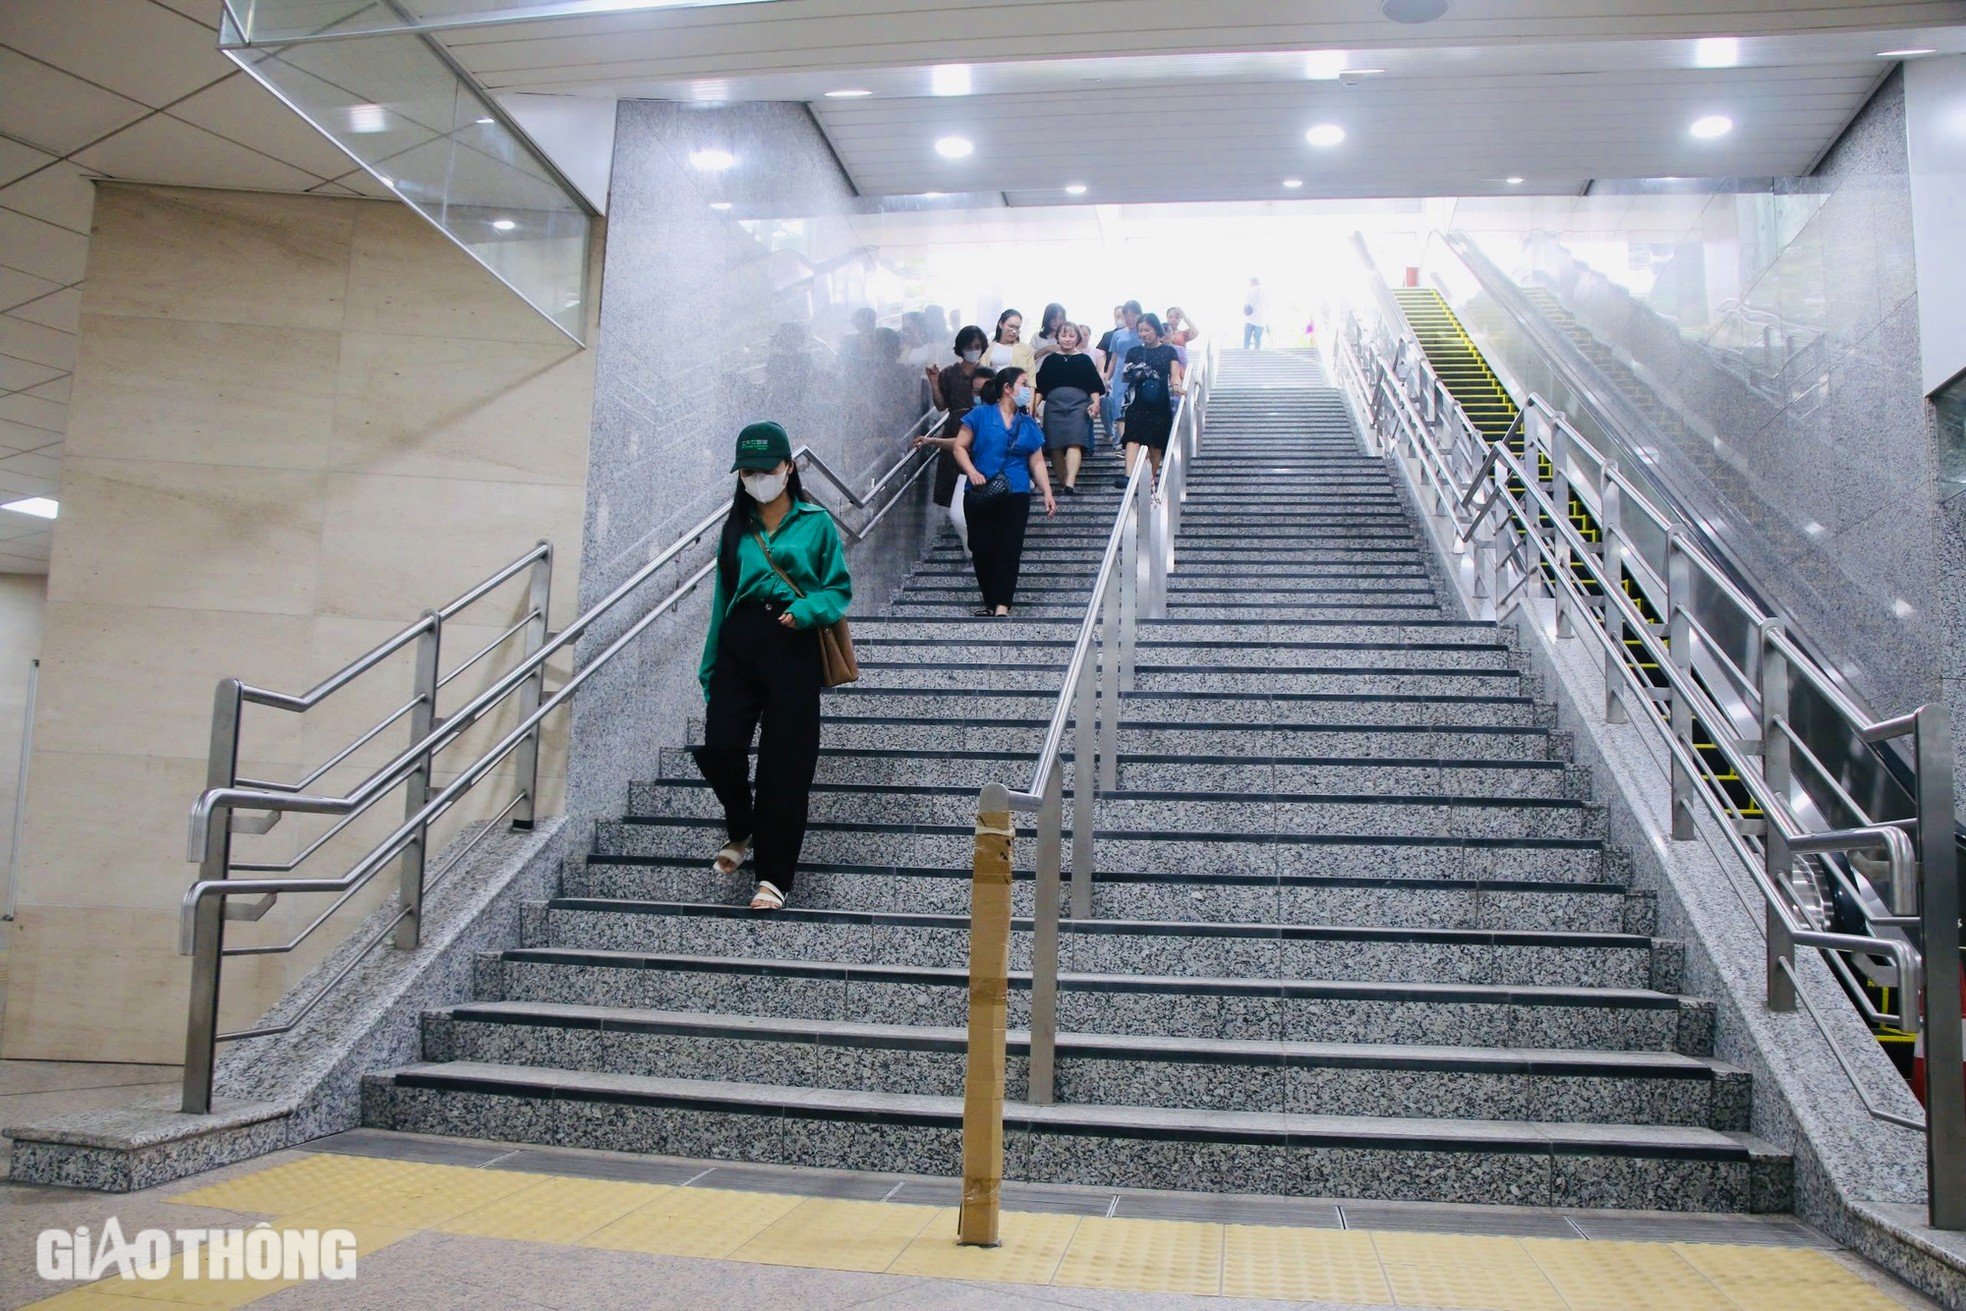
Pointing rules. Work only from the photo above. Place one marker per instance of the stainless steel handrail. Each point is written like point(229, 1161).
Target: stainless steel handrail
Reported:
point(1131, 583)
point(1480, 498)
point(217, 814)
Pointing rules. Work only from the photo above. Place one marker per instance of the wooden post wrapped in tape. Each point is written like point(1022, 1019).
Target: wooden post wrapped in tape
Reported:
point(989, 996)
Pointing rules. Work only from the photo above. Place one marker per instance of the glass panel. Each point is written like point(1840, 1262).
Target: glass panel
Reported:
point(427, 134)
point(262, 21)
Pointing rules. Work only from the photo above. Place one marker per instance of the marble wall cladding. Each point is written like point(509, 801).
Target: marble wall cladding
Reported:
point(297, 422)
point(729, 295)
point(1770, 340)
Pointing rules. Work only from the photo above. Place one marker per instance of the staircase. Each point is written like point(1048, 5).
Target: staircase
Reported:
point(1356, 930)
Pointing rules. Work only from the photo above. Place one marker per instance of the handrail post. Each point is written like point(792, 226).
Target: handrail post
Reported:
point(539, 602)
point(1044, 938)
point(1679, 649)
point(1109, 691)
point(208, 933)
point(1777, 766)
point(1611, 519)
point(1086, 714)
point(416, 788)
point(1938, 883)
point(989, 996)
point(1129, 592)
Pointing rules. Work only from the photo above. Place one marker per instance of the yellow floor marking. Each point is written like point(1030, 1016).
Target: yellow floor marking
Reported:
point(554, 1210)
point(831, 1233)
point(1033, 1245)
point(1784, 1279)
point(1148, 1256)
point(1303, 1265)
point(1613, 1276)
point(1466, 1272)
point(359, 1190)
point(694, 1222)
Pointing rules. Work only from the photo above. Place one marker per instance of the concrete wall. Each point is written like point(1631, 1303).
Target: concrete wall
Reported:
point(297, 422)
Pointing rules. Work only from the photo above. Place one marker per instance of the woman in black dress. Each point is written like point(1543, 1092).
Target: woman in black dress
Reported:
point(1068, 387)
point(1155, 382)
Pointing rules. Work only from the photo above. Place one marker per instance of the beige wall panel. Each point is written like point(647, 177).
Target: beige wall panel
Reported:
point(211, 537)
point(205, 393)
point(390, 544)
point(106, 983)
point(139, 680)
point(405, 279)
point(445, 408)
point(219, 256)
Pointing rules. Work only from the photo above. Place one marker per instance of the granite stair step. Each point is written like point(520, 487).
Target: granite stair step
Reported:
point(1229, 894)
point(1395, 1012)
point(1412, 1082)
point(1535, 1164)
point(956, 705)
point(879, 674)
point(1175, 656)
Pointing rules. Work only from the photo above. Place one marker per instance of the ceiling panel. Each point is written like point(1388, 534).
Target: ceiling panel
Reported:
point(61, 310)
point(60, 194)
point(41, 248)
point(240, 109)
point(162, 149)
point(47, 108)
point(95, 40)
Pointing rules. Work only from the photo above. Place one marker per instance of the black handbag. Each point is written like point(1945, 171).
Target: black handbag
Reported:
point(997, 487)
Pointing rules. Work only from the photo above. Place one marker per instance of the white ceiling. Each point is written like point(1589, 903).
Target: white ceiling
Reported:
point(1141, 100)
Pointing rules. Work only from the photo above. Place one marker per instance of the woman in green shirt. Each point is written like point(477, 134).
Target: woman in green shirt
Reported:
point(781, 577)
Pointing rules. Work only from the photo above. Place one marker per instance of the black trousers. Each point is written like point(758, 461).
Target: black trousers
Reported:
point(765, 673)
point(996, 545)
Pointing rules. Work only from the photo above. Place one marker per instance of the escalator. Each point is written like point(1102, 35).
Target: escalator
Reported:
point(1460, 366)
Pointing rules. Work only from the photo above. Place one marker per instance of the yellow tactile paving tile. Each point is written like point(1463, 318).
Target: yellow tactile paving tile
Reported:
point(1614, 1276)
point(1032, 1245)
point(362, 1190)
point(1303, 1265)
point(1147, 1256)
point(554, 1210)
point(1784, 1278)
point(694, 1222)
point(830, 1233)
point(1464, 1272)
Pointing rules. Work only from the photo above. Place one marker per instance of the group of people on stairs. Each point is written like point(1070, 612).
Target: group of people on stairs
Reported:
point(781, 576)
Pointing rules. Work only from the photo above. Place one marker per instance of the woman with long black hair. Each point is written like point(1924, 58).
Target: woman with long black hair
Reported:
point(955, 386)
point(1155, 381)
point(781, 577)
point(999, 437)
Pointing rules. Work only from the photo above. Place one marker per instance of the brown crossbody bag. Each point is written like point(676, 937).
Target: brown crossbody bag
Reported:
point(837, 664)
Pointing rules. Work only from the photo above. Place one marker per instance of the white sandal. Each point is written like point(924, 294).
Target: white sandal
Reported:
point(730, 857)
point(767, 897)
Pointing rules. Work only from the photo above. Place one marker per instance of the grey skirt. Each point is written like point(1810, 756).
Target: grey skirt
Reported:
point(1067, 419)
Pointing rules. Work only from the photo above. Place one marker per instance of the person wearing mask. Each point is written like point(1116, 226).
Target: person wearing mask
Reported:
point(1008, 349)
point(1155, 381)
point(955, 395)
point(1255, 306)
point(999, 440)
point(1047, 342)
point(1067, 386)
point(1125, 337)
point(781, 577)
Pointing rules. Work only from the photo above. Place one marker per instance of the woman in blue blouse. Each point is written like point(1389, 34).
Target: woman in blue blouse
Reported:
point(999, 439)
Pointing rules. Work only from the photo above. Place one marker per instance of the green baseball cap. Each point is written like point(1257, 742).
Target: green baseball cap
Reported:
point(761, 446)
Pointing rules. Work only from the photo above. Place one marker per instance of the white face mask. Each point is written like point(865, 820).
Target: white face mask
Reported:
point(1023, 397)
point(972, 357)
point(764, 487)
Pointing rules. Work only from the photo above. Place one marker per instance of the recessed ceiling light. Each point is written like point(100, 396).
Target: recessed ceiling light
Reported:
point(38, 506)
point(481, 121)
point(1717, 52)
point(1713, 125)
point(712, 161)
point(720, 204)
point(1413, 11)
point(368, 118)
point(949, 80)
point(1293, 183)
point(933, 195)
point(954, 147)
point(1075, 188)
point(1906, 54)
point(1514, 182)
point(1324, 65)
point(1325, 134)
point(848, 93)
point(504, 225)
